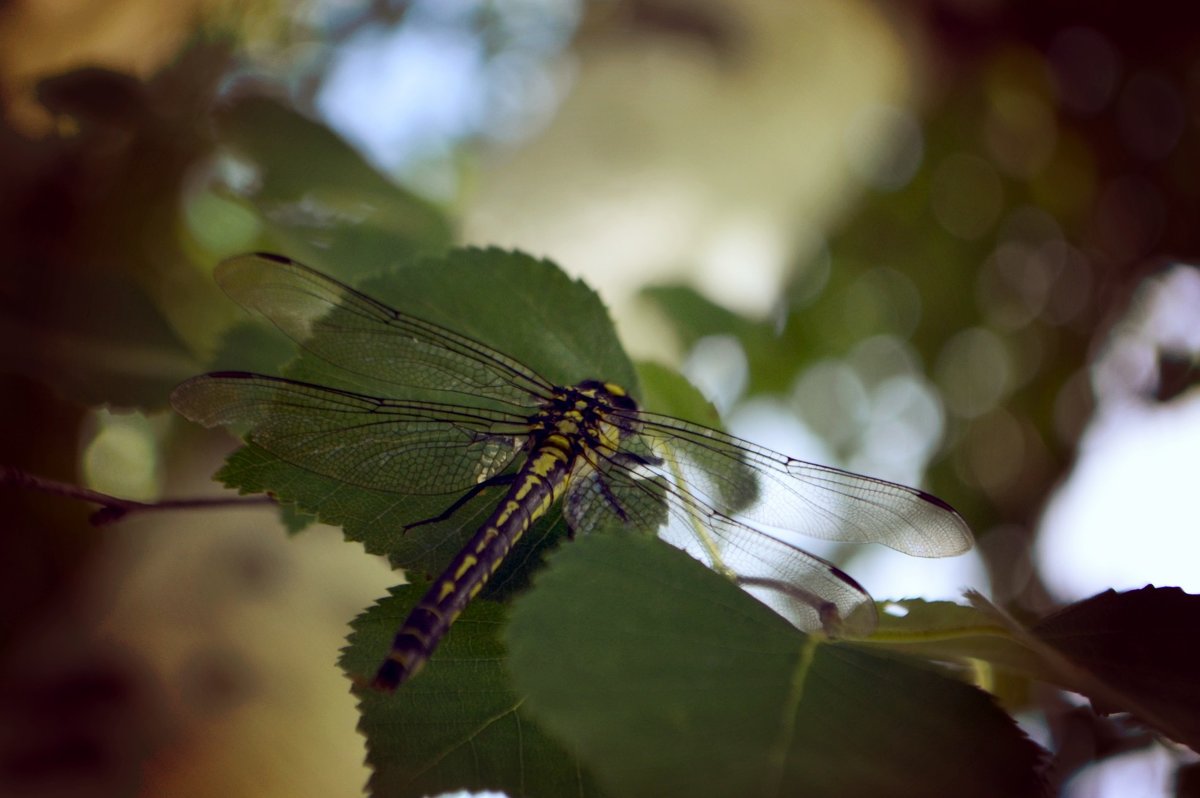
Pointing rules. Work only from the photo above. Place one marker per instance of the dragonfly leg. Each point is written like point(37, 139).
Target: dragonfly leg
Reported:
point(610, 497)
point(632, 458)
point(828, 614)
point(499, 479)
point(626, 459)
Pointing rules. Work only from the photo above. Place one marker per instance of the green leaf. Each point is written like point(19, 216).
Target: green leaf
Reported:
point(669, 680)
point(319, 195)
point(666, 391)
point(519, 305)
point(773, 360)
point(459, 725)
point(250, 346)
point(943, 630)
point(669, 392)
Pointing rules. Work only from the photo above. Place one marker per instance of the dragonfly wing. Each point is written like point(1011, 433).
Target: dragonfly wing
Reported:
point(379, 444)
point(808, 591)
point(812, 593)
point(739, 479)
point(371, 344)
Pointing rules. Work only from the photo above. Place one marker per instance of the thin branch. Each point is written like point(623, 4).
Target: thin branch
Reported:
point(113, 508)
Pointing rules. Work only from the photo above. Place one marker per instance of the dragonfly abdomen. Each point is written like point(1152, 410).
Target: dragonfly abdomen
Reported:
point(537, 486)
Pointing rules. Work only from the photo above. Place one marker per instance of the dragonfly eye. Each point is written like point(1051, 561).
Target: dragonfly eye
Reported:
point(623, 401)
point(608, 392)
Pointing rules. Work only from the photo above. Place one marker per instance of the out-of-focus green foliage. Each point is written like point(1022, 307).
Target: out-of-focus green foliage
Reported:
point(1025, 229)
point(319, 198)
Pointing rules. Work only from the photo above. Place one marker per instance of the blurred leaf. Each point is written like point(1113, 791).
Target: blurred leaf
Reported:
point(100, 341)
point(1177, 372)
point(1139, 646)
point(696, 316)
point(667, 391)
point(294, 519)
point(253, 346)
point(670, 680)
point(89, 221)
point(459, 726)
point(772, 356)
point(320, 195)
point(95, 96)
point(1123, 650)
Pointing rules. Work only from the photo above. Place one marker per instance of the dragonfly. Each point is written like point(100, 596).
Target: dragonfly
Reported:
point(462, 418)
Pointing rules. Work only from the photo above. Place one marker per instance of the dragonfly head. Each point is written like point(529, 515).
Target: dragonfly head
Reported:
point(608, 393)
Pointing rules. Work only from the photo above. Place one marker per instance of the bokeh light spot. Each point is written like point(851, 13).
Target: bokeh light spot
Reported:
point(830, 396)
point(974, 371)
point(1151, 115)
point(1130, 218)
point(904, 428)
point(717, 366)
point(882, 357)
point(122, 457)
point(966, 195)
point(1084, 69)
point(1020, 132)
point(884, 146)
point(882, 299)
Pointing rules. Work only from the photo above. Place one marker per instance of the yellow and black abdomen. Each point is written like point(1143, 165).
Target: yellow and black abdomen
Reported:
point(539, 483)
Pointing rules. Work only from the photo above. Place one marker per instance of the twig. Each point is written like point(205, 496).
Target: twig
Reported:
point(113, 508)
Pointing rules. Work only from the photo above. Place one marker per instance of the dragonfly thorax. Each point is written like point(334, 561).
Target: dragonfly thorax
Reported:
point(589, 415)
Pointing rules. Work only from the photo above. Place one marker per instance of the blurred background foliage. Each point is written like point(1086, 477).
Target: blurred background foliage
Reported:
point(942, 242)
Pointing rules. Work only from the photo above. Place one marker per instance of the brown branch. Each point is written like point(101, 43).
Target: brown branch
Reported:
point(113, 508)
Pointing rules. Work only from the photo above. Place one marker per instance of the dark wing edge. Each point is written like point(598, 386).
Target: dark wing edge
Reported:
point(738, 478)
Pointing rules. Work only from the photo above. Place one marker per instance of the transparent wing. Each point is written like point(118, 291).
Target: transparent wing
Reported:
point(811, 593)
point(726, 477)
point(380, 444)
point(370, 341)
